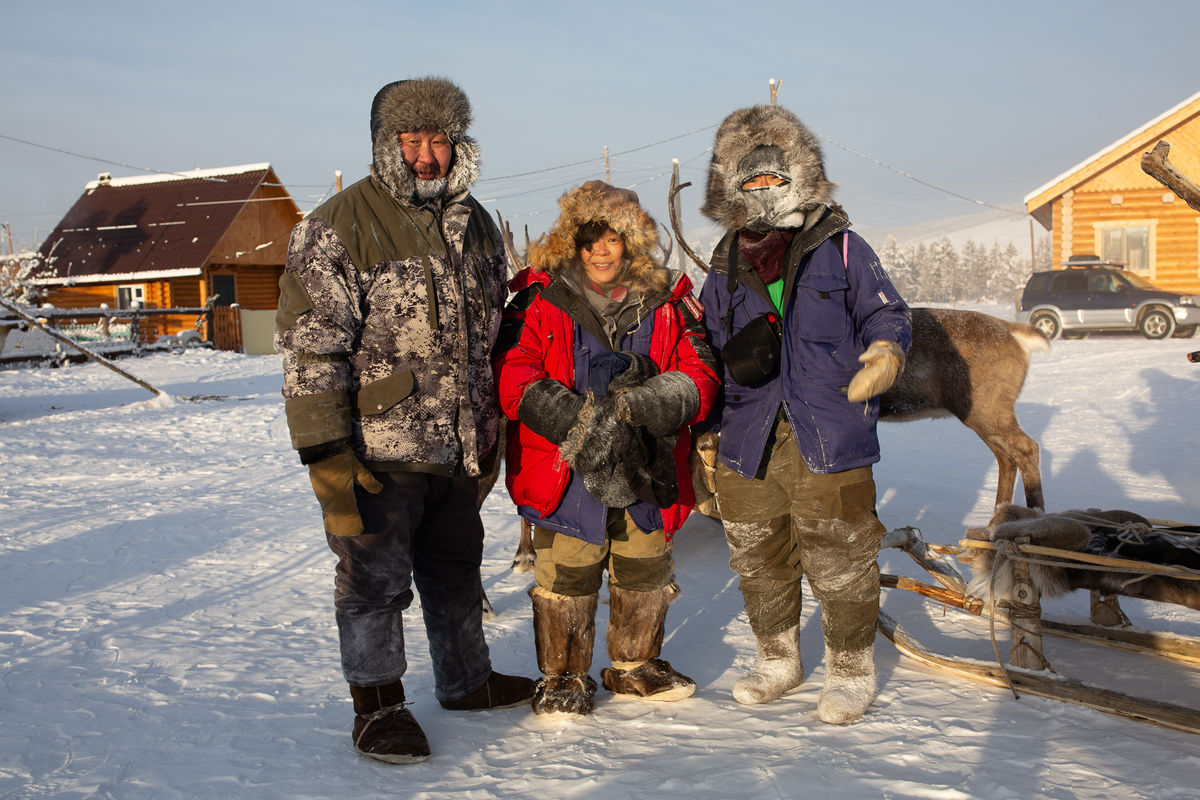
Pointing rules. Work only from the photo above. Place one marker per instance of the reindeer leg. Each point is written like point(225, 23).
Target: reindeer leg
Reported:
point(1024, 450)
point(524, 557)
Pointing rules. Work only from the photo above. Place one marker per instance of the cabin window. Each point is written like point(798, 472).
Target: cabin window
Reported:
point(131, 296)
point(1127, 244)
point(225, 289)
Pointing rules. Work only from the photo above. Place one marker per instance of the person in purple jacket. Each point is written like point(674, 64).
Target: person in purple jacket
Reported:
point(809, 330)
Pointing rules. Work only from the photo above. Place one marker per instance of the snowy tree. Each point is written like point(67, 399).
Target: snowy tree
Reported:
point(15, 270)
point(899, 267)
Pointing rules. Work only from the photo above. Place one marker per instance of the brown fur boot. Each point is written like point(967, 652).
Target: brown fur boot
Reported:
point(383, 728)
point(564, 632)
point(635, 634)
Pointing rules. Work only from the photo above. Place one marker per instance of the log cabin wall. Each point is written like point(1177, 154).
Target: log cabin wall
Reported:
point(1110, 195)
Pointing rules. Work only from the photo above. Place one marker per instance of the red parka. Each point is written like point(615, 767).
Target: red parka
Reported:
point(536, 474)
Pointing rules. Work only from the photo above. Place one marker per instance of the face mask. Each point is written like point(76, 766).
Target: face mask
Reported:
point(773, 207)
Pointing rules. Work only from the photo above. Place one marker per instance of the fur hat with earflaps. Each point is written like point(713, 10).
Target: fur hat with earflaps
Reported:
point(418, 104)
point(596, 201)
point(765, 140)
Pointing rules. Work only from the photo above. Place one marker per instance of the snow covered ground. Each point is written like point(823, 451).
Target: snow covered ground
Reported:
point(166, 627)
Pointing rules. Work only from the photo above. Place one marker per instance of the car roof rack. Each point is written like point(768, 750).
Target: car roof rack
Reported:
point(1090, 260)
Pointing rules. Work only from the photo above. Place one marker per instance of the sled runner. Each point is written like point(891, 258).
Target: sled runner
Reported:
point(1016, 572)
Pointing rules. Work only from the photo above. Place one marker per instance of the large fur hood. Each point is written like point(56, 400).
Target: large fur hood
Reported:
point(765, 139)
point(421, 104)
point(620, 211)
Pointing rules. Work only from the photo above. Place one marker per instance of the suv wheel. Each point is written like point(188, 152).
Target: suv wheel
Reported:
point(1047, 323)
point(1157, 324)
point(1185, 331)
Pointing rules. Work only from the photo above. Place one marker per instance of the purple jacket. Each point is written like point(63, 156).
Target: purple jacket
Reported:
point(832, 311)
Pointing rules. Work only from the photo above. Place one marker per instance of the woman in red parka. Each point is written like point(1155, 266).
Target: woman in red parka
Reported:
point(606, 367)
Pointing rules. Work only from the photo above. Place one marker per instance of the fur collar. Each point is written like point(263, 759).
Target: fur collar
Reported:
point(619, 210)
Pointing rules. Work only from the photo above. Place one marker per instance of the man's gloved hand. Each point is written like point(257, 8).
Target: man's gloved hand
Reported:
point(881, 363)
point(333, 480)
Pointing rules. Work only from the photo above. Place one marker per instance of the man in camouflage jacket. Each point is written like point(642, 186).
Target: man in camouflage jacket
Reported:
point(389, 308)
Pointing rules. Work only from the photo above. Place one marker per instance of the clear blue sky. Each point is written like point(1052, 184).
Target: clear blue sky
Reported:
point(985, 100)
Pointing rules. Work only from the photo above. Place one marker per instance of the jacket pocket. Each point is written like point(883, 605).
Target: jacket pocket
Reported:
point(821, 307)
point(379, 396)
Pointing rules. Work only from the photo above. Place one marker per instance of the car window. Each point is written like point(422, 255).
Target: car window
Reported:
point(1070, 282)
point(1038, 283)
point(1137, 280)
point(1101, 282)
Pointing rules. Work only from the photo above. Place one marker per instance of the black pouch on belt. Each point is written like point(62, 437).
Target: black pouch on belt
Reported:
point(751, 355)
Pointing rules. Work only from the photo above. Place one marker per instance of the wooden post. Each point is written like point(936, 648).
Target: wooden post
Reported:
point(337, 180)
point(99, 359)
point(607, 170)
point(1025, 618)
point(774, 84)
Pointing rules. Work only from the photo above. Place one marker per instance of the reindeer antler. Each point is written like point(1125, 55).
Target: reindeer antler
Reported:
point(670, 248)
point(673, 212)
point(515, 263)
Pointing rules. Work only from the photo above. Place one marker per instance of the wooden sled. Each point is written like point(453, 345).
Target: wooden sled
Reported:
point(1028, 671)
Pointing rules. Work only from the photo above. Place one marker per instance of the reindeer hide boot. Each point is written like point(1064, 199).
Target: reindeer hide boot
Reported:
point(849, 685)
point(383, 728)
point(564, 632)
point(779, 670)
point(635, 635)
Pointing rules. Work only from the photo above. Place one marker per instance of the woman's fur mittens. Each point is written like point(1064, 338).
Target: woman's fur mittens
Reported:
point(661, 405)
point(550, 409)
point(603, 448)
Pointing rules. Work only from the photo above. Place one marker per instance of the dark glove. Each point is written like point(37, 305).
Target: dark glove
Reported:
point(549, 409)
point(333, 480)
point(661, 405)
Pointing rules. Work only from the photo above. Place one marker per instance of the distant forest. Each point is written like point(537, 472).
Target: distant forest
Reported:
point(938, 273)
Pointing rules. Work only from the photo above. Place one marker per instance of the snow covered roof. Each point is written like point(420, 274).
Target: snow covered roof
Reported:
point(104, 179)
point(1114, 152)
point(164, 225)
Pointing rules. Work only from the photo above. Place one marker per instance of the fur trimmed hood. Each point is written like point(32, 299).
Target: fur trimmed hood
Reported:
point(596, 201)
point(758, 140)
point(421, 104)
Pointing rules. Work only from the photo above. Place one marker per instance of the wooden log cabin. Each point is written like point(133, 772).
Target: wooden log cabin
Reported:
point(1108, 206)
point(171, 241)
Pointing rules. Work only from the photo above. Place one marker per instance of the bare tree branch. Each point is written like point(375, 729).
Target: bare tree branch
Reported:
point(1156, 165)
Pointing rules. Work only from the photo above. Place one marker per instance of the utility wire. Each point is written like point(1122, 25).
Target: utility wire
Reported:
point(918, 180)
point(102, 160)
point(598, 158)
point(544, 170)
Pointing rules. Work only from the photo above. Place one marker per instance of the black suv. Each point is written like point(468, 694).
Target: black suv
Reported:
point(1093, 294)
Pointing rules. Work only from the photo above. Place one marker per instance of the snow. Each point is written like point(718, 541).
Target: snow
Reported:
point(166, 628)
point(186, 175)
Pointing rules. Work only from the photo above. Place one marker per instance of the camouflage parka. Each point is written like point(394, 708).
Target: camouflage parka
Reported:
point(388, 313)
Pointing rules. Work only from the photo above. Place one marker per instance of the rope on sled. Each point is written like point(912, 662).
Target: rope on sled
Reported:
point(1134, 532)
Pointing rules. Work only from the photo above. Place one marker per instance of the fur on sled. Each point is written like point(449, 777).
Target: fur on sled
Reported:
point(1115, 533)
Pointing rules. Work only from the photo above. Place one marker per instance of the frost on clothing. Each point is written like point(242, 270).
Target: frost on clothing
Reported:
point(834, 307)
point(403, 307)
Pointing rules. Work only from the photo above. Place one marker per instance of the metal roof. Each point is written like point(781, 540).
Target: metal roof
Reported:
point(157, 224)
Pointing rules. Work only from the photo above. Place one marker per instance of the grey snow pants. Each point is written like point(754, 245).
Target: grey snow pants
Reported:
point(422, 529)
